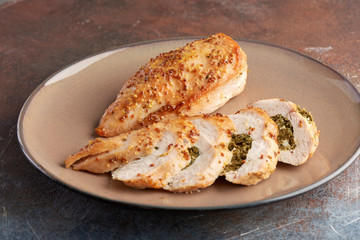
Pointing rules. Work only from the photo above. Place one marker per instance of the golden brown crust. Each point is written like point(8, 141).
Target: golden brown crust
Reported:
point(104, 155)
point(172, 82)
point(100, 156)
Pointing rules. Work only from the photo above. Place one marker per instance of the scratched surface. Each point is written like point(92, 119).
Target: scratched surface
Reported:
point(37, 38)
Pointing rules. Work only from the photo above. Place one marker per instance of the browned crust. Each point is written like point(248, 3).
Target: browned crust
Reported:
point(172, 81)
point(97, 156)
point(143, 142)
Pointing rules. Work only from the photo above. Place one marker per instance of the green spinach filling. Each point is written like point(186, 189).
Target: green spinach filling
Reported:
point(194, 154)
point(240, 144)
point(286, 132)
point(305, 114)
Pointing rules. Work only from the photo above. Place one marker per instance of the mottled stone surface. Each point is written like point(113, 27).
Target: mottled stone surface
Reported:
point(39, 37)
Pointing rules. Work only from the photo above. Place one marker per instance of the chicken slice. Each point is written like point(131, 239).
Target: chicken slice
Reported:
point(298, 135)
point(211, 155)
point(254, 147)
point(171, 155)
point(104, 155)
point(195, 79)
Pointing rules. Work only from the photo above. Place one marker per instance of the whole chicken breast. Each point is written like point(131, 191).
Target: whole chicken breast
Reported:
point(298, 136)
point(195, 79)
point(254, 147)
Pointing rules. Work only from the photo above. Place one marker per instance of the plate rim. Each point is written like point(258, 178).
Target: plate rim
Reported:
point(21, 140)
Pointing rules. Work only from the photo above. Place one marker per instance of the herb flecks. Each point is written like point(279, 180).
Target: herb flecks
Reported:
point(305, 114)
point(240, 144)
point(194, 153)
point(285, 138)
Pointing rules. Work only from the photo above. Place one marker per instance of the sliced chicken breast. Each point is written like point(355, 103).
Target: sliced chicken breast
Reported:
point(298, 136)
point(195, 79)
point(254, 147)
point(104, 155)
point(155, 170)
point(209, 156)
point(188, 153)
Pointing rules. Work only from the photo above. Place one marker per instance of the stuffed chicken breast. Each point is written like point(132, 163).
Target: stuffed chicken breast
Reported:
point(298, 136)
point(209, 155)
point(254, 147)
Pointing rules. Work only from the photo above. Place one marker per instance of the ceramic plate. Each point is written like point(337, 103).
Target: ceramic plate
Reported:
point(60, 116)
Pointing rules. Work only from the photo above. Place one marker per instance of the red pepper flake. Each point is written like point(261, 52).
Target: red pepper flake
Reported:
point(193, 133)
point(186, 155)
point(272, 135)
point(229, 132)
